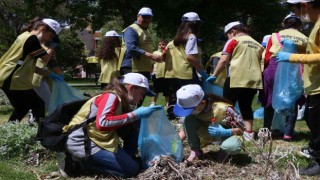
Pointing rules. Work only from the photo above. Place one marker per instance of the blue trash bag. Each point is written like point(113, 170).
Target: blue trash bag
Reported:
point(158, 137)
point(288, 84)
point(208, 87)
point(63, 93)
point(278, 122)
point(259, 113)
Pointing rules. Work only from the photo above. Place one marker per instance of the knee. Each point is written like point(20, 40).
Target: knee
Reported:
point(231, 146)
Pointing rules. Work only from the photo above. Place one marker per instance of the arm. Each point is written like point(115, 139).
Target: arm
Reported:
point(305, 58)
point(107, 119)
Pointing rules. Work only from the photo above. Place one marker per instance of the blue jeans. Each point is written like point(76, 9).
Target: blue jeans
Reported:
point(106, 162)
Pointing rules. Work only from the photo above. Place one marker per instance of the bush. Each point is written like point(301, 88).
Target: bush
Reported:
point(18, 140)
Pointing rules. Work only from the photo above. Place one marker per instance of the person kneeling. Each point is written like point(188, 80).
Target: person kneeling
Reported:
point(199, 110)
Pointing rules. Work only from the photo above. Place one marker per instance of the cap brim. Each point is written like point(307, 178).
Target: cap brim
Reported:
point(145, 14)
point(182, 112)
point(150, 93)
point(263, 44)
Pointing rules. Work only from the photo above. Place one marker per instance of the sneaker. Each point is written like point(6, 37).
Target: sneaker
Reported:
point(287, 138)
point(309, 153)
point(311, 170)
point(195, 155)
point(248, 136)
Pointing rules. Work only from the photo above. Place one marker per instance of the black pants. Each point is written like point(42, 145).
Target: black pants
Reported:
point(312, 117)
point(24, 100)
point(268, 116)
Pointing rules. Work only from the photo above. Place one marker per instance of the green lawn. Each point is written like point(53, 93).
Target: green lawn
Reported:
point(11, 169)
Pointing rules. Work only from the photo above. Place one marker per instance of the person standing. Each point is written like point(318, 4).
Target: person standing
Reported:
point(291, 25)
point(242, 54)
point(18, 64)
point(311, 77)
point(108, 56)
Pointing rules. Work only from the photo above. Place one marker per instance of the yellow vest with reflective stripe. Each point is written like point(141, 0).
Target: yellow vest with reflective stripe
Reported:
point(143, 63)
point(299, 39)
point(109, 68)
point(311, 73)
point(22, 77)
point(160, 67)
point(245, 67)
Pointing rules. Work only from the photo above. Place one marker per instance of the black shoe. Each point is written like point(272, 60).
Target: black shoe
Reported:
point(311, 170)
point(310, 153)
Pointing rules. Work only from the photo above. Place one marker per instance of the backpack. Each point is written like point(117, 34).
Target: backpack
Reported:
point(50, 130)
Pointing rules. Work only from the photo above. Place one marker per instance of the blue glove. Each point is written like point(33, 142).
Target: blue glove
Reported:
point(211, 79)
point(144, 112)
point(56, 77)
point(204, 74)
point(219, 131)
point(283, 56)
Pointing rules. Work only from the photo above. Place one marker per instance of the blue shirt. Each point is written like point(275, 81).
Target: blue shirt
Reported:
point(131, 40)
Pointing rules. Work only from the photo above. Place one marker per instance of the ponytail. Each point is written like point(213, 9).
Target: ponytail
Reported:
point(116, 86)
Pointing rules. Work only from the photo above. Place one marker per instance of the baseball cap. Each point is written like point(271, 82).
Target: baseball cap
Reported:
point(53, 24)
point(294, 1)
point(231, 25)
point(265, 40)
point(111, 33)
point(188, 97)
point(307, 1)
point(137, 80)
point(145, 11)
point(190, 17)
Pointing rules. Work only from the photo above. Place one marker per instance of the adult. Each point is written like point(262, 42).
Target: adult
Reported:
point(311, 79)
point(242, 54)
point(160, 84)
point(17, 67)
point(108, 56)
point(199, 109)
point(184, 56)
point(114, 119)
point(139, 45)
point(291, 25)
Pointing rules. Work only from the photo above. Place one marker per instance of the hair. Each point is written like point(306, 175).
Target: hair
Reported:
point(121, 90)
point(163, 41)
point(292, 22)
point(35, 24)
point(239, 28)
point(184, 30)
point(315, 4)
point(290, 5)
point(107, 50)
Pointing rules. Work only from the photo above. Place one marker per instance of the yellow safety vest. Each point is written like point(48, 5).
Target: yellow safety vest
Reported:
point(160, 67)
point(22, 77)
point(245, 67)
point(223, 75)
point(109, 68)
point(311, 73)
point(143, 63)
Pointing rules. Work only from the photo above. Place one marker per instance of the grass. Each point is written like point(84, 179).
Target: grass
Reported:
point(10, 169)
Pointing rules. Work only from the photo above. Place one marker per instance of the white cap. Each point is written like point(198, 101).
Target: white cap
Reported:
point(111, 33)
point(145, 11)
point(190, 16)
point(137, 80)
point(294, 1)
point(307, 1)
point(231, 25)
point(54, 25)
point(265, 40)
point(188, 97)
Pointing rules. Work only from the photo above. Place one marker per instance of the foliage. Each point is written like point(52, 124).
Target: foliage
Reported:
point(18, 140)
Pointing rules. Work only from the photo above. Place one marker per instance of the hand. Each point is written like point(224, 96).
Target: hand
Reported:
point(283, 56)
point(56, 77)
point(219, 131)
point(144, 112)
point(211, 79)
point(203, 74)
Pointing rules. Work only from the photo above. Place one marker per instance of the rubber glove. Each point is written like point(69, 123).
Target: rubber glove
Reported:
point(219, 131)
point(283, 56)
point(144, 112)
point(204, 74)
point(211, 79)
point(56, 77)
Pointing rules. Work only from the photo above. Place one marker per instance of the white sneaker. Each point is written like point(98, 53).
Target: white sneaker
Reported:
point(248, 136)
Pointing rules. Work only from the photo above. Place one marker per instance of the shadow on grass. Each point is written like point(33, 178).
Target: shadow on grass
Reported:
point(238, 160)
point(5, 110)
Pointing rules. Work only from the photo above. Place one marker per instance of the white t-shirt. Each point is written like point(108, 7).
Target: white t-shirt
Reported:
point(192, 46)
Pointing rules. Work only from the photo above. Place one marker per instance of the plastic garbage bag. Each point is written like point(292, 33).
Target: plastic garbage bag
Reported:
point(288, 84)
point(259, 113)
point(63, 93)
point(208, 87)
point(278, 122)
point(158, 137)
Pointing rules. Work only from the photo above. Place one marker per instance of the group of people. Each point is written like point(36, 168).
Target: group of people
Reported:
point(244, 67)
